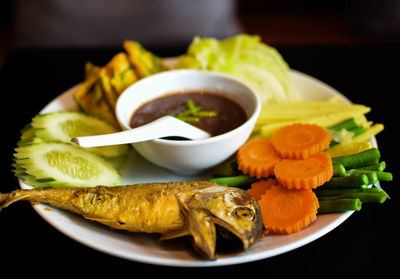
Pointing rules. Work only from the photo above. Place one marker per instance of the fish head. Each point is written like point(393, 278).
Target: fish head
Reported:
point(233, 209)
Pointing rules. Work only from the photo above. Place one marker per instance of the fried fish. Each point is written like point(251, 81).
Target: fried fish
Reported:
point(172, 209)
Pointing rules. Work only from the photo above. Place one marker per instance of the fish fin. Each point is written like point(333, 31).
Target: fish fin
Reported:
point(99, 219)
point(183, 199)
point(199, 226)
point(175, 234)
point(203, 232)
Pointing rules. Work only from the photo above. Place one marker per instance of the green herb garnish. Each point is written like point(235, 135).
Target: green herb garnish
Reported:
point(193, 113)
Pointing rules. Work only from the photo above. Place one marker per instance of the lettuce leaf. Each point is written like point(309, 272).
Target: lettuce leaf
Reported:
point(247, 58)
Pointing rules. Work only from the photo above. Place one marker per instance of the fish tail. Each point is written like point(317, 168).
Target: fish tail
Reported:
point(9, 198)
point(3, 199)
point(55, 196)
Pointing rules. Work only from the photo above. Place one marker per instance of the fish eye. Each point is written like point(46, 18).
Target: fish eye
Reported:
point(244, 212)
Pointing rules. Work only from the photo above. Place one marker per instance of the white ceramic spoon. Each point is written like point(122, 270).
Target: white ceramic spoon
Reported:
point(165, 126)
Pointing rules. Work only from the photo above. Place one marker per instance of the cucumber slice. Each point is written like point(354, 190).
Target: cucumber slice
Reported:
point(61, 126)
point(63, 165)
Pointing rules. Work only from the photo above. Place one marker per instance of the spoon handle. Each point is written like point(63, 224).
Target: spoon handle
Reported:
point(162, 127)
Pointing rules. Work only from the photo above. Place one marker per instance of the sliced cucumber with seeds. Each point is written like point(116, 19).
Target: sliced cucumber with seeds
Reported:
point(61, 126)
point(62, 165)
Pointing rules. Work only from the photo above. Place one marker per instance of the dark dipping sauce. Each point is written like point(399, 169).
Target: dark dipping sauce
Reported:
point(230, 114)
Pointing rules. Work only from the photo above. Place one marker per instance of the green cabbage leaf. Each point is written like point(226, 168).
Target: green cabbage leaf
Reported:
point(246, 58)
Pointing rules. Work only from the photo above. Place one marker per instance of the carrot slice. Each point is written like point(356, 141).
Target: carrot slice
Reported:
point(287, 211)
point(306, 173)
point(259, 187)
point(257, 158)
point(299, 140)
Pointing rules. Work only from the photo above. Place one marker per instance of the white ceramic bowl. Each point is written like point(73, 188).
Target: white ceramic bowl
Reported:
point(191, 156)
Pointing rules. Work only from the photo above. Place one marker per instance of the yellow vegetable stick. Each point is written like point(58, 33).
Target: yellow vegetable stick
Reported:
point(359, 143)
point(325, 121)
point(372, 131)
point(349, 149)
point(300, 110)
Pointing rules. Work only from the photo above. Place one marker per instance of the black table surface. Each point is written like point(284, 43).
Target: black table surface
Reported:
point(363, 245)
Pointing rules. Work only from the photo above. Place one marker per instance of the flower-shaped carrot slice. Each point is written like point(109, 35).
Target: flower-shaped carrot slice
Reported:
point(286, 211)
point(257, 158)
point(305, 173)
point(299, 141)
point(259, 187)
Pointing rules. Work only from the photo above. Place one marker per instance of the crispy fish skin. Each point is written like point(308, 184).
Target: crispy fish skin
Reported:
point(173, 209)
point(150, 208)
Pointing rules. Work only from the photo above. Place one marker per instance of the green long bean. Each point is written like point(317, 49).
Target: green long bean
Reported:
point(339, 170)
point(326, 192)
point(339, 205)
point(348, 124)
point(363, 197)
point(362, 159)
point(353, 181)
point(233, 181)
point(380, 175)
point(375, 167)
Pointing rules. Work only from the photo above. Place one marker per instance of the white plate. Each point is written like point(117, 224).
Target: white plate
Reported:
point(146, 248)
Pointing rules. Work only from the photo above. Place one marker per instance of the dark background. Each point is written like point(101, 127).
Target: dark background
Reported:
point(350, 45)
